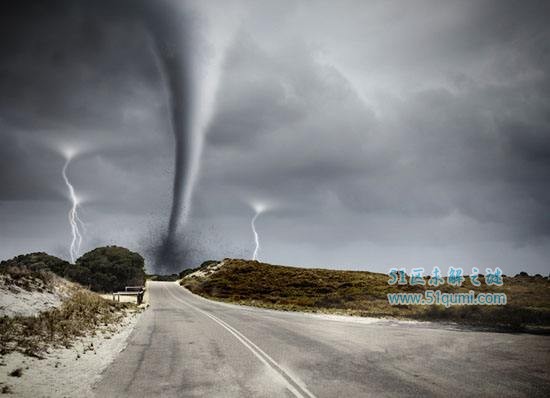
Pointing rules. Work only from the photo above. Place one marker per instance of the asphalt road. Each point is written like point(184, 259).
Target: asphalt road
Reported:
point(186, 346)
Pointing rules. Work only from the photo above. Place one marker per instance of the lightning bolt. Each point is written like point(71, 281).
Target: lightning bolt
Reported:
point(74, 220)
point(259, 208)
point(256, 239)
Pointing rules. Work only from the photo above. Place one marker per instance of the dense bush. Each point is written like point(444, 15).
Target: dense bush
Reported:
point(163, 278)
point(109, 268)
point(36, 262)
point(104, 269)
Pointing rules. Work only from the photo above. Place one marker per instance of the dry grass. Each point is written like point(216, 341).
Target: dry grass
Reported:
point(364, 293)
point(80, 315)
point(26, 278)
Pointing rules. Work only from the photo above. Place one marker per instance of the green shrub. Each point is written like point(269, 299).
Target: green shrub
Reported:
point(34, 265)
point(109, 268)
point(104, 269)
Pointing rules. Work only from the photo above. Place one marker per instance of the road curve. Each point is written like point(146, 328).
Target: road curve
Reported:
point(186, 346)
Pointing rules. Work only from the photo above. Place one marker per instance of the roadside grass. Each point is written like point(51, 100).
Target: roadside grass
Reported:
point(82, 314)
point(29, 279)
point(365, 294)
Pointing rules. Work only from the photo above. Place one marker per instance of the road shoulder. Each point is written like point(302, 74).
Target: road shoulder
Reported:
point(66, 371)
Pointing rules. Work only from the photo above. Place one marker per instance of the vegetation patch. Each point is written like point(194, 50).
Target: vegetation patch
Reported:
point(6, 390)
point(31, 272)
point(105, 269)
point(17, 372)
point(163, 278)
point(108, 269)
point(82, 314)
point(365, 294)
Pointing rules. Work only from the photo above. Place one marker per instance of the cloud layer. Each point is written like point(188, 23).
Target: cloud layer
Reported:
point(386, 134)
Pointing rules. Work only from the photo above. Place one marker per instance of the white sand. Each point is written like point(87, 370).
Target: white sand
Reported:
point(206, 271)
point(130, 299)
point(26, 303)
point(14, 300)
point(120, 299)
point(67, 372)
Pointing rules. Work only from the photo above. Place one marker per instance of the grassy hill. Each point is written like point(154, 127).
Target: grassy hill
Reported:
point(364, 293)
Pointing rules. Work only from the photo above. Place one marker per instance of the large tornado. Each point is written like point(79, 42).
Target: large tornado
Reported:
point(170, 34)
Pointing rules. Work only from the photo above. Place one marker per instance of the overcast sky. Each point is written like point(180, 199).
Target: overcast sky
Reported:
point(382, 133)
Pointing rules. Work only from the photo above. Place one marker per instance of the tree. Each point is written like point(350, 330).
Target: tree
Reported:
point(109, 269)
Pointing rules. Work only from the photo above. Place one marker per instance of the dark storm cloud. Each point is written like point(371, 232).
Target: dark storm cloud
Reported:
point(21, 180)
point(83, 74)
point(382, 132)
point(53, 52)
point(325, 124)
point(456, 139)
point(71, 71)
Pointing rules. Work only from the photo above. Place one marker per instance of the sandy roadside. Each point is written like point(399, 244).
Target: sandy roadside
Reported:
point(66, 372)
